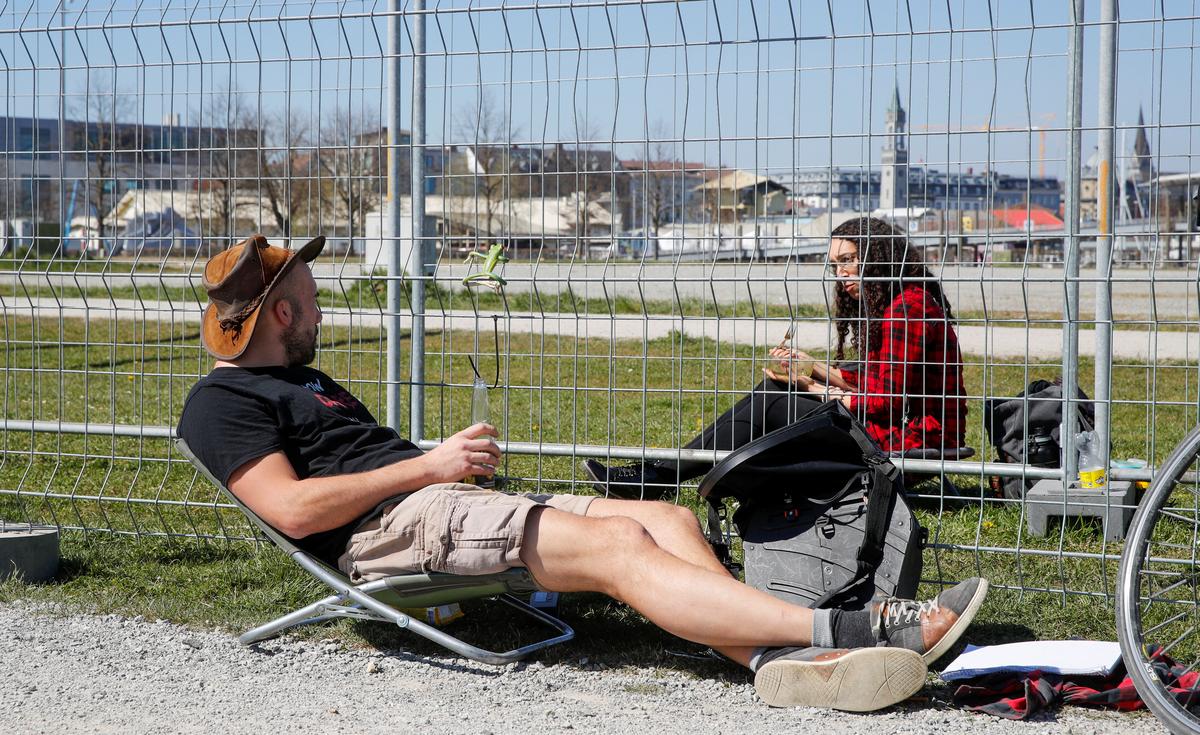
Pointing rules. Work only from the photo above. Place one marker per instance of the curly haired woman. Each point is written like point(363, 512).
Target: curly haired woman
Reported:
point(907, 389)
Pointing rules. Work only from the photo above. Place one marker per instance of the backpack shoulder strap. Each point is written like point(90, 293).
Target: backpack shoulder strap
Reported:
point(716, 538)
point(880, 486)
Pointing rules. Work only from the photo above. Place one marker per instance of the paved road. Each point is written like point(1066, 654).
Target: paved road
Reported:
point(1138, 294)
point(1000, 342)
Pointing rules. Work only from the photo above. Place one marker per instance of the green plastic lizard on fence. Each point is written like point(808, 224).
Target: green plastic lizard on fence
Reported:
point(487, 275)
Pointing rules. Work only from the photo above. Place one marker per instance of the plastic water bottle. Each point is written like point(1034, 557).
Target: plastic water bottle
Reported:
point(479, 415)
point(1091, 468)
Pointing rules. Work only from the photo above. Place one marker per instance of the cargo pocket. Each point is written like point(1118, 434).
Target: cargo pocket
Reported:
point(480, 534)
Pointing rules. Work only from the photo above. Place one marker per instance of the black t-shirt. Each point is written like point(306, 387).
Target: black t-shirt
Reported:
point(234, 415)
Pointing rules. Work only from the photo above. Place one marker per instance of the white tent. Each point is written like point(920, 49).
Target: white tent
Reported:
point(158, 233)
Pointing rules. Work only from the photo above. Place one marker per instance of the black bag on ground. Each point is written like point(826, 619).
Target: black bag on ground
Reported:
point(1005, 421)
point(821, 513)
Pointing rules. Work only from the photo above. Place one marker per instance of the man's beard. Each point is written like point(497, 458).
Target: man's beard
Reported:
point(299, 349)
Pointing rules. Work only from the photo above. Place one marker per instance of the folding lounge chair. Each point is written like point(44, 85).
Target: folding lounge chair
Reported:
point(380, 599)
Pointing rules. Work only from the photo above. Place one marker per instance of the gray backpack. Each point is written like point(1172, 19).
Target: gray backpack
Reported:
point(821, 513)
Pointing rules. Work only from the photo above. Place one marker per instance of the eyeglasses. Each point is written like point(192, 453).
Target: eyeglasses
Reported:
point(847, 264)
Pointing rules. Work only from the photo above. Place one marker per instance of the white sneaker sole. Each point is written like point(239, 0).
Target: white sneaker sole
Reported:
point(863, 680)
point(960, 626)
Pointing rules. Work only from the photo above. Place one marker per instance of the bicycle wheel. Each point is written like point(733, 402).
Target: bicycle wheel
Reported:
point(1158, 586)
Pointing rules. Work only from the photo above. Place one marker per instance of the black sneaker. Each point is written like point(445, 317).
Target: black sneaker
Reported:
point(629, 482)
point(854, 679)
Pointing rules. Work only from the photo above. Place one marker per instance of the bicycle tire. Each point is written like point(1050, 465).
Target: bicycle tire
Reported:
point(1157, 584)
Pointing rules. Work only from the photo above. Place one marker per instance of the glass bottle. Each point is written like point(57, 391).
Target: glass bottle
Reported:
point(479, 415)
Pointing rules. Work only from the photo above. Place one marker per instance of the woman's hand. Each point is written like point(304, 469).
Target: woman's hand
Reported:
point(782, 352)
point(783, 375)
point(831, 393)
point(795, 366)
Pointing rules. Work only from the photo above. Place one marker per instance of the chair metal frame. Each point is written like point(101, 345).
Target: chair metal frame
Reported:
point(379, 600)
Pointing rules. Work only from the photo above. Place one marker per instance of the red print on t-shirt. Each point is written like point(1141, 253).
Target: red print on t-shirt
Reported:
point(342, 400)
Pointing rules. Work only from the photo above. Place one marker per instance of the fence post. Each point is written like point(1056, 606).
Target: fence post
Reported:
point(391, 231)
point(416, 427)
point(413, 250)
point(1071, 265)
point(1104, 222)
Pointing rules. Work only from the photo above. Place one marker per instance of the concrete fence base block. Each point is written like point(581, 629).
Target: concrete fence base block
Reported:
point(30, 552)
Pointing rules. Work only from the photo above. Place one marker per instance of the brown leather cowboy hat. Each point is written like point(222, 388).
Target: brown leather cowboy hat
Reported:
point(238, 281)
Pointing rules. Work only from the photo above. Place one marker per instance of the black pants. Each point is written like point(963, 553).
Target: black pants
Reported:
point(771, 405)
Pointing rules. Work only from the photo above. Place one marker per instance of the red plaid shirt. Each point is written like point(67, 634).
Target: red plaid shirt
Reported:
point(913, 395)
point(1020, 696)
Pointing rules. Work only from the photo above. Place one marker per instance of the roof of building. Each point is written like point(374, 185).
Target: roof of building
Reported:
point(1021, 217)
point(736, 180)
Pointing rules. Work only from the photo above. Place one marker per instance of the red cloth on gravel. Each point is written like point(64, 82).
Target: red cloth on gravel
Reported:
point(1019, 696)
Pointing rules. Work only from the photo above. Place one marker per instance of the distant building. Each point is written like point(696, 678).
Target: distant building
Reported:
point(838, 188)
point(732, 195)
point(899, 185)
point(92, 164)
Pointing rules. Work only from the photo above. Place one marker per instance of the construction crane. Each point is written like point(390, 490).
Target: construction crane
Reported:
point(1047, 118)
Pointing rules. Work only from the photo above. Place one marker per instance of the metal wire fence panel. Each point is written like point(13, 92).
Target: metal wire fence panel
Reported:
point(664, 179)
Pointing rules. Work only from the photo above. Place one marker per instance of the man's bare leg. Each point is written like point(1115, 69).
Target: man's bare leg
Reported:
point(619, 557)
point(676, 530)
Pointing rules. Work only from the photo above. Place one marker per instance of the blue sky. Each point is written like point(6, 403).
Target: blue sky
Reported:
point(767, 85)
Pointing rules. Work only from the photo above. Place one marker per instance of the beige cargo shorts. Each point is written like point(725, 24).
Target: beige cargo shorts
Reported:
point(448, 527)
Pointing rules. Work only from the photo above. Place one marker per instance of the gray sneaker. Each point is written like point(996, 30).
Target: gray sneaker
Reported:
point(930, 627)
point(851, 679)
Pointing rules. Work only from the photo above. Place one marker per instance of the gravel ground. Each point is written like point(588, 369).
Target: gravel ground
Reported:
point(98, 674)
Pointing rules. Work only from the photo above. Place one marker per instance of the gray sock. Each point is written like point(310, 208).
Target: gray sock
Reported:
point(853, 630)
point(754, 657)
point(824, 624)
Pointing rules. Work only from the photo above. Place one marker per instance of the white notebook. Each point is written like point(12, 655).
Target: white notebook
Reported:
point(1089, 658)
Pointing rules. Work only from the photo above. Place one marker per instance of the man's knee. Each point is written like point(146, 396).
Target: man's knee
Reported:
point(683, 515)
point(620, 535)
point(601, 538)
point(570, 553)
point(671, 517)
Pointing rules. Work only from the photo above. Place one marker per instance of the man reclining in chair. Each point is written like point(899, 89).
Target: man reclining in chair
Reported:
point(307, 457)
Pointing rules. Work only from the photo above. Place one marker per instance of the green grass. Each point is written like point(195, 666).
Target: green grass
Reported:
point(560, 389)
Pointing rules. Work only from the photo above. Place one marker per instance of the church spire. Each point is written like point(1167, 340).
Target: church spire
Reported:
point(1141, 146)
point(1143, 162)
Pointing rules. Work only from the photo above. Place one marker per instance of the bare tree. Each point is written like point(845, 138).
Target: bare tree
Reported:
point(108, 148)
point(662, 181)
point(287, 166)
point(485, 170)
point(229, 141)
point(264, 156)
point(586, 175)
point(350, 167)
